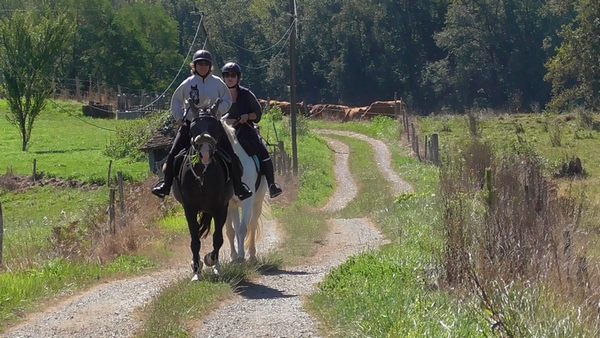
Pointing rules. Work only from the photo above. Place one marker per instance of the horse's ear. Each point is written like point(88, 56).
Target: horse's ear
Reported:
point(192, 105)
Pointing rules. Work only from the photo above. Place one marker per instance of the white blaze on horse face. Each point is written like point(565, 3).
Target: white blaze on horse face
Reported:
point(205, 150)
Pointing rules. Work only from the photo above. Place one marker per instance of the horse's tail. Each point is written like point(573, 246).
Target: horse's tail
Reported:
point(265, 212)
point(204, 225)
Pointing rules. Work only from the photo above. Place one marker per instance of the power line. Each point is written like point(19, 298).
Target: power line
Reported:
point(288, 34)
point(267, 49)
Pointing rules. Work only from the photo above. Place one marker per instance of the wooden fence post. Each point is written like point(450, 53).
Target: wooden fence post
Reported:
point(121, 192)
point(426, 148)
point(77, 89)
point(412, 135)
point(417, 150)
point(396, 105)
point(109, 172)
point(34, 174)
point(406, 127)
point(1, 233)
point(435, 149)
point(111, 212)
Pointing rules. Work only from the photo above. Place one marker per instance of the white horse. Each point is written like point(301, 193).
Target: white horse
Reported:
point(245, 231)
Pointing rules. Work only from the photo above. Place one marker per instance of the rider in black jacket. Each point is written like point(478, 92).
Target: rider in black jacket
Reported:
point(243, 114)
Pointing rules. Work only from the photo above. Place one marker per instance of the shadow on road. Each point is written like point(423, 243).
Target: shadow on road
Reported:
point(256, 291)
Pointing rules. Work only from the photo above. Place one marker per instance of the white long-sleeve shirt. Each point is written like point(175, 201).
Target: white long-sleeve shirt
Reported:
point(207, 90)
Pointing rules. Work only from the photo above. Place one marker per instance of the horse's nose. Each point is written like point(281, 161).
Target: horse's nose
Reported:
point(205, 153)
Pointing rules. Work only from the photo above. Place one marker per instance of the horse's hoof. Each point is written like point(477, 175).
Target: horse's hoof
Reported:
point(238, 260)
point(208, 260)
point(196, 277)
point(216, 269)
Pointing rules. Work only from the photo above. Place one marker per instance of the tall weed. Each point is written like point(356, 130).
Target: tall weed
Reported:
point(512, 234)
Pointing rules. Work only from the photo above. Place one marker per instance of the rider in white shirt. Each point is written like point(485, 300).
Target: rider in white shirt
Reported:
point(207, 88)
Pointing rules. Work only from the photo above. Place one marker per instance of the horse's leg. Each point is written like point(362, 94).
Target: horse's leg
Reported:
point(253, 233)
point(192, 219)
point(212, 258)
point(233, 220)
point(252, 227)
point(241, 231)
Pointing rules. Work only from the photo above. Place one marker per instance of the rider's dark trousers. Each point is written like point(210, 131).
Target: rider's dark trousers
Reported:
point(236, 166)
point(182, 141)
point(252, 144)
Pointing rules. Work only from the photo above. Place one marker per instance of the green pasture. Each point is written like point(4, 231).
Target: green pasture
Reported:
point(66, 145)
point(46, 228)
point(555, 138)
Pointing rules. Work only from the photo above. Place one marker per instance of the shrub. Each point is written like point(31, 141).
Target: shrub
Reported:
point(131, 136)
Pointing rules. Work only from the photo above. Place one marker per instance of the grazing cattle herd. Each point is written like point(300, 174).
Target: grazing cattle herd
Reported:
point(342, 113)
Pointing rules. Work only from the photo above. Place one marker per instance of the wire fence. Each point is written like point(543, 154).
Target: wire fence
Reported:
point(104, 101)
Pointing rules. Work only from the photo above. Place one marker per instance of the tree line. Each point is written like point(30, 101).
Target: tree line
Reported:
point(435, 54)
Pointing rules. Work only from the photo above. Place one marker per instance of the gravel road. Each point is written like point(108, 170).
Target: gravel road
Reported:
point(271, 306)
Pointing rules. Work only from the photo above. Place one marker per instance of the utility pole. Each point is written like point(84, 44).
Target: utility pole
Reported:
point(293, 107)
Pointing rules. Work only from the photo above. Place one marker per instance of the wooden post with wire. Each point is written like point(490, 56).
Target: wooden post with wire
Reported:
point(435, 149)
point(77, 89)
point(111, 212)
point(109, 173)
point(121, 191)
point(34, 173)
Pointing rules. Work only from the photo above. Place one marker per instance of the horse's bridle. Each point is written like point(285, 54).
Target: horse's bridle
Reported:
point(199, 141)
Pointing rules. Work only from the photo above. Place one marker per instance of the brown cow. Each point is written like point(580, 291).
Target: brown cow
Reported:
point(283, 105)
point(385, 108)
point(354, 113)
point(328, 112)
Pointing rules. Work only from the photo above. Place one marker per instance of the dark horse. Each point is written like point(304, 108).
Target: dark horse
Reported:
point(202, 186)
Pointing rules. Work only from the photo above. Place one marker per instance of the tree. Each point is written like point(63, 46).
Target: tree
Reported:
point(355, 52)
point(575, 70)
point(495, 53)
point(29, 45)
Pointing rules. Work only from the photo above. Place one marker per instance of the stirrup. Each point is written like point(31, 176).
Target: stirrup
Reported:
point(245, 193)
point(161, 190)
point(275, 190)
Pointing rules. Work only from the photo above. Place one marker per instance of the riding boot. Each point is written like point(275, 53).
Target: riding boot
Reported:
point(267, 168)
point(240, 189)
point(163, 188)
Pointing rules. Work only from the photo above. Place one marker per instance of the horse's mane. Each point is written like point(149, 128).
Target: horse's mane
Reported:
point(230, 131)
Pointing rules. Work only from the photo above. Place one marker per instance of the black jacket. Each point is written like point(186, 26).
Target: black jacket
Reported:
point(246, 103)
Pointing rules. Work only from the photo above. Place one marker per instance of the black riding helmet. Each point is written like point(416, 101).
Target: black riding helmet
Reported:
point(201, 55)
point(232, 67)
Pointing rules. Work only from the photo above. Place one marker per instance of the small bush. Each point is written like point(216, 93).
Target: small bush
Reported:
point(130, 137)
point(276, 114)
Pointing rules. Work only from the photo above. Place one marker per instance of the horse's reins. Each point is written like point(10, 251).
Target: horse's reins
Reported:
point(204, 112)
